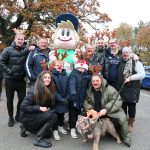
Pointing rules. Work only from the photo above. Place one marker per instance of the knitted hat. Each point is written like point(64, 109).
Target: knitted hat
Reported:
point(81, 64)
point(127, 49)
point(70, 17)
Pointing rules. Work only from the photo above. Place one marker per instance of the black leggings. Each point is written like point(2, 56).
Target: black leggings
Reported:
point(60, 119)
point(129, 109)
point(73, 115)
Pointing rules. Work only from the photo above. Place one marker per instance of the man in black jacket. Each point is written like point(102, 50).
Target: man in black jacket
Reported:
point(12, 62)
point(1, 77)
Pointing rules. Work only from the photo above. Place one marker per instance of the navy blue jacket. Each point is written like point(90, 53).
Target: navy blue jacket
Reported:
point(61, 83)
point(33, 65)
point(78, 84)
point(110, 65)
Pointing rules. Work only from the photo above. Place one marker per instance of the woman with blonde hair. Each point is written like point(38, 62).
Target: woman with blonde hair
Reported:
point(111, 62)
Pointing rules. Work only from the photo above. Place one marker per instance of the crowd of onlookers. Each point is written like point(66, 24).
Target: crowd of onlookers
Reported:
point(53, 92)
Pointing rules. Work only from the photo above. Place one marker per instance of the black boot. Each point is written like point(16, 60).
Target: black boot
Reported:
point(22, 131)
point(17, 117)
point(0, 96)
point(11, 122)
point(39, 141)
point(48, 134)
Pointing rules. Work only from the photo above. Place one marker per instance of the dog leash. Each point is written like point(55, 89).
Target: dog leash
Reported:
point(116, 97)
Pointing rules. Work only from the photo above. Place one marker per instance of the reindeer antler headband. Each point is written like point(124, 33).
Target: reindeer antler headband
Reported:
point(18, 31)
point(95, 69)
point(62, 56)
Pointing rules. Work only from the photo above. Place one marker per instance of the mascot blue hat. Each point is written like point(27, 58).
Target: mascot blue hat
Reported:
point(70, 17)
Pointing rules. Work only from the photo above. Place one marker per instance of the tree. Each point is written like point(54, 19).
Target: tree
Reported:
point(124, 35)
point(143, 37)
point(124, 31)
point(38, 16)
point(140, 25)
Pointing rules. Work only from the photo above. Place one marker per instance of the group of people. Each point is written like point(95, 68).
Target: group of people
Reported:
point(56, 90)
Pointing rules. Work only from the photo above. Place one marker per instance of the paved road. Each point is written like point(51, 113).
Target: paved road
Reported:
point(11, 140)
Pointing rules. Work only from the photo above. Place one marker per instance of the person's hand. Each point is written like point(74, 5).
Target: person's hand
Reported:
point(135, 57)
point(43, 109)
point(127, 80)
point(31, 48)
point(102, 112)
point(64, 101)
point(52, 56)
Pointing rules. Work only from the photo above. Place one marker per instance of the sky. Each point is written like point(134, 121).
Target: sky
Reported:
point(127, 11)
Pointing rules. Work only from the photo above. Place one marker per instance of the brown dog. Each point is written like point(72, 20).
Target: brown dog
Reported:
point(95, 128)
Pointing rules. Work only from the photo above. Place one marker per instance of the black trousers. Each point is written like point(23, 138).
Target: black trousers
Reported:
point(60, 117)
point(129, 109)
point(34, 122)
point(1, 80)
point(11, 86)
point(113, 84)
point(73, 115)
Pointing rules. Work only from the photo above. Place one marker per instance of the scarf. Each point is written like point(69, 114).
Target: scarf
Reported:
point(127, 72)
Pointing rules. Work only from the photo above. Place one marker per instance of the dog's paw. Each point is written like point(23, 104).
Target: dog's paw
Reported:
point(118, 141)
point(90, 136)
point(85, 140)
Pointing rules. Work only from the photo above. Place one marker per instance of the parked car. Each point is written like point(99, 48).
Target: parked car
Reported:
point(145, 83)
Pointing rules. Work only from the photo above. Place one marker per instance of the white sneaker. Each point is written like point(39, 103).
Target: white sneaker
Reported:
point(73, 133)
point(62, 130)
point(56, 135)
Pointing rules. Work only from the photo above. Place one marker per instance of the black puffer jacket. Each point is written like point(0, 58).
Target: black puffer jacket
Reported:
point(30, 114)
point(13, 60)
point(1, 70)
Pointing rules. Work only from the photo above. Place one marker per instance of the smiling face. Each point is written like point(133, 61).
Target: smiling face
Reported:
point(46, 79)
point(19, 40)
point(125, 55)
point(90, 49)
point(100, 43)
point(96, 82)
point(43, 44)
point(113, 44)
point(65, 38)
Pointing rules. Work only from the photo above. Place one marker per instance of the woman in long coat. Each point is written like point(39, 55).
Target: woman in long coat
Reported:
point(37, 109)
point(130, 72)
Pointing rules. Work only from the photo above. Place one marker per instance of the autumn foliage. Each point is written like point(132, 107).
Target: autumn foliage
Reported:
point(38, 16)
point(143, 37)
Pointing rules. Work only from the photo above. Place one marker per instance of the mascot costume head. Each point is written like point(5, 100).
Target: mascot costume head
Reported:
point(65, 39)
